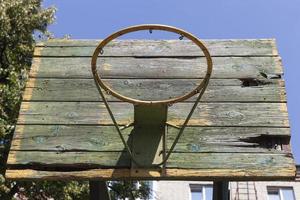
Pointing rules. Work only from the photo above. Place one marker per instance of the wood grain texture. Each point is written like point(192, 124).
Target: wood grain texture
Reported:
point(65, 160)
point(105, 138)
point(206, 114)
point(262, 174)
point(91, 160)
point(65, 133)
point(219, 90)
point(164, 48)
point(130, 67)
point(68, 138)
point(226, 139)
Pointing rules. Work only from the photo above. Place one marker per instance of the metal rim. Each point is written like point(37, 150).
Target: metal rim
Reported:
point(151, 27)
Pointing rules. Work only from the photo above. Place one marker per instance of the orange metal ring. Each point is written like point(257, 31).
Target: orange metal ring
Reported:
point(151, 27)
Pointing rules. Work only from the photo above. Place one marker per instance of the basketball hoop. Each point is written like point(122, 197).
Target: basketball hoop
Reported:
point(150, 27)
point(159, 106)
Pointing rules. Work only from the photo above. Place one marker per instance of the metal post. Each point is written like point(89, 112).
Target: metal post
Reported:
point(98, 190)
point(220, 190)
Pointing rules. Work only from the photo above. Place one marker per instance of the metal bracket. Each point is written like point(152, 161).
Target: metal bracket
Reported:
point(148, 134)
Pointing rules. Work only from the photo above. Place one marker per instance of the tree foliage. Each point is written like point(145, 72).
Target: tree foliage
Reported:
point(20, 21)
point(129, 190)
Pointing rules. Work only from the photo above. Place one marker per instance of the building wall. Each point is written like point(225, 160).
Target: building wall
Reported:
point(175, 190)
point(180, 190)
point(261, 189)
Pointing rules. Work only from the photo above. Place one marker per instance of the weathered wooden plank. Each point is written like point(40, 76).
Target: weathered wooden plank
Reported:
point(105, 138)
point(88, 160)
point(228, 160)
point(41, 83)
point(224, 67)
point(161, 48)
point(94, 42)
point(155, 89)
point(262, 174)
point(71, 160)
point(225, 139)
point(32, 131)
point(67, 138)
point(207, 114)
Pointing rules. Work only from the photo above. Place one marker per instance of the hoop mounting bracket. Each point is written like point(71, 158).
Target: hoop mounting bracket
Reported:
point(148, 135)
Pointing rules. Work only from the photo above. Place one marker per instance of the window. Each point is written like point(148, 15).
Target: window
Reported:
point(201, 192)
point(280, 193)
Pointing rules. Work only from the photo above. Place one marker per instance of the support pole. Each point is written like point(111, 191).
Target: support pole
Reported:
point(98, 190)
point(220, 190)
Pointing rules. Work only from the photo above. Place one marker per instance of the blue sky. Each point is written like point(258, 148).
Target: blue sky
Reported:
point(94, 19)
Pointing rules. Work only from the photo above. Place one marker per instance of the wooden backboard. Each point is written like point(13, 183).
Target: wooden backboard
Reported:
point(240, 130)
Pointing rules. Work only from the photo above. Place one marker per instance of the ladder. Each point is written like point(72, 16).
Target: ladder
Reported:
point(245, 191)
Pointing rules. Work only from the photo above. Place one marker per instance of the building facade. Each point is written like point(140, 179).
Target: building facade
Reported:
point(194, 190)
